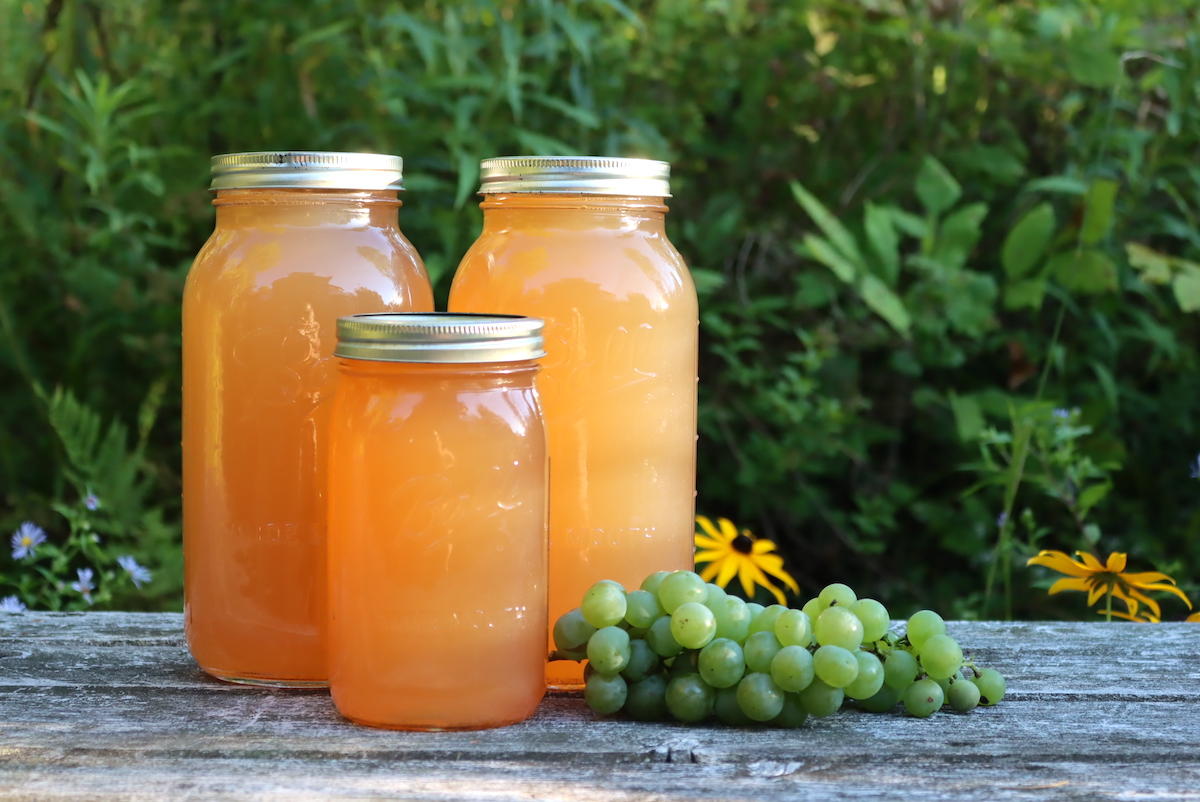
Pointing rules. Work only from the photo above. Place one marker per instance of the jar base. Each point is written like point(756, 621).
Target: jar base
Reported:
point(268, 682)
point(433, 728)
point(563, 685)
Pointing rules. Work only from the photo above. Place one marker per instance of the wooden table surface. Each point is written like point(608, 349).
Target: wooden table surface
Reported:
point(111, 706)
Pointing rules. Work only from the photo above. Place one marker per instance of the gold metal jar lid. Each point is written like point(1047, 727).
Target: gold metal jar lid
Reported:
point(303, 169)
point(571, 175)
point(439, 337)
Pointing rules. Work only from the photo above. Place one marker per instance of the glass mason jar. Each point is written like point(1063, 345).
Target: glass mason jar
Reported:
point(300, 240)
point(437, 522)
point(580, 242)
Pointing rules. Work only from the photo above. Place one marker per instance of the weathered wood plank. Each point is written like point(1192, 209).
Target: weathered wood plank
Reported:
point(110, 705)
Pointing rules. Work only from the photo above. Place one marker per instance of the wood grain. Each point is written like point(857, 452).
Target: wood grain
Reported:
point(111, 706)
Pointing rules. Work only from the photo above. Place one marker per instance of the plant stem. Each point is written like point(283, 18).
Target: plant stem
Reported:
point(1108, 607)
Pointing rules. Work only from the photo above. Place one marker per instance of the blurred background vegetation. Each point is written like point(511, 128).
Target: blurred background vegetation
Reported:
point(947, 250)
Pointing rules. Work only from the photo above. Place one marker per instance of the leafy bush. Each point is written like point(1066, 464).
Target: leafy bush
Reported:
point(906, 221)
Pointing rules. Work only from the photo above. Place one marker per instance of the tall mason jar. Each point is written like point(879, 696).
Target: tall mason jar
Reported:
point(580, 242)
point(437, 522)
point(301, 239)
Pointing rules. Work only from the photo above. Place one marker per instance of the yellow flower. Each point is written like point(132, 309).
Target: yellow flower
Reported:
point(1100, 579)
point(728, 553)
point(1194, 617)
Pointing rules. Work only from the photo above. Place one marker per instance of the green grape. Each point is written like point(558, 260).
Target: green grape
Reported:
point(759, 697)
point(760, 649)
point(608, 651)
point(922, 626)
point(869, 679)
point(792, 668)
point(689, 698)
point(661, 640)
point(646, 700)
point(642, 609)
point(728, 711)
point(923, 698)
point(900, 670)
point(963, 696)
point(651, 583)
point(819, 699)
point(572, 630)
point(883, 701)
point(642, 661)
point(604, 604)
point(991, 686)
point(813, 608)
point(755, 609)
point(715, 594)
point(941, 656)
point(837, 626)
point(685, 663)
point(635, 632)
point(944, 682)
point(835, 666)
point(793, 714)
point(837, 594)
point(793, 628)
point(874, 617)
point(605, 693)
point(681, 587)
point(693, 625)
point(765, 620)
point(722, 663)
point(734, 621)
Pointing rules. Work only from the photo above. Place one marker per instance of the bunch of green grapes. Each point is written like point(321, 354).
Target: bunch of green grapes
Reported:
point(678, 647)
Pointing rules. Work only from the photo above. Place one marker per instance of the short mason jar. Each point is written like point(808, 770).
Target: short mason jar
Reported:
point(437, 522)
point(301, 239)
point(580, 242)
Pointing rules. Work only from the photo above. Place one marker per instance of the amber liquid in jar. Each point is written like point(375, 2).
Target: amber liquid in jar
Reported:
point(437, 544)
point(259, 313)
point(618, 384)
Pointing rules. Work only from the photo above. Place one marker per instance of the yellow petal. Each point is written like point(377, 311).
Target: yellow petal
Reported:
point(711, 556)
point(774, 567)
point(1090, 562)
point(1096, 590)
point(750, 575)
point(1116, 562)
point(1147, 576)
point(710, 570)
point(1168, 589)
point(1149, 619)
point(1131, 603)
point(728, 530)
point(703, 542)
point(729, 567)
point(1149, 602)
point(709, 529)
point(762, 547)
point(1060, 562)
point(1069, 583)
point(1194, 618)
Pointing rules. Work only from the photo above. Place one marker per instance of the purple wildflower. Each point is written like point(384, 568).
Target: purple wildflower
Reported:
point(26, 540)
point(138, 573)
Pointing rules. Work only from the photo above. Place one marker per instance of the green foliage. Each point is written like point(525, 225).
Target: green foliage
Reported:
point(898, 215)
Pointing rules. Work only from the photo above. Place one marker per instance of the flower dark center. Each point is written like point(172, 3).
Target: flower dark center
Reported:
point(742, 544)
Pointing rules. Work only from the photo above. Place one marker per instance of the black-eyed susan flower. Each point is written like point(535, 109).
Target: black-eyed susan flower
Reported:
point(730, 553)
point(1108, 579)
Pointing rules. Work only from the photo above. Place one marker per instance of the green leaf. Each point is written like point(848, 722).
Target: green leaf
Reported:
point(827, 255)
point(468, 178)
point(1025, 244)
point(1091, 62)
point(910, 224)
point(1152, 266)
point(1025, 294)
point(1061, 184)
point(1187, 288)
point(1087, 271)
point(885, 303)
point(707, 281)
point(958, 234)
point(968, 416)
point(1092, 496)
point(838, 235)
point(881, 234)
point(542, 145)
point(936, 188)
point(1098, 210)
